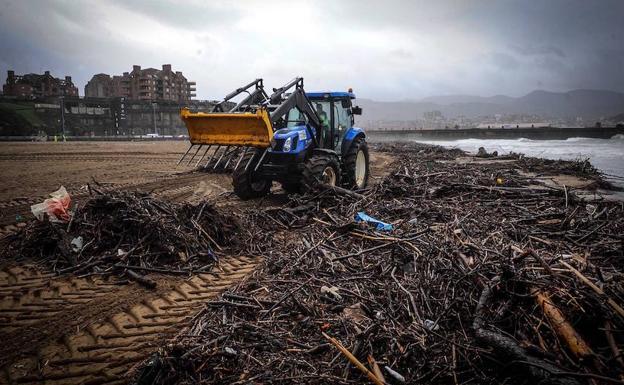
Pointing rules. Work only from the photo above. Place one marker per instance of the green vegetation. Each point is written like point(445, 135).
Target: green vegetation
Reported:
point(19, 119)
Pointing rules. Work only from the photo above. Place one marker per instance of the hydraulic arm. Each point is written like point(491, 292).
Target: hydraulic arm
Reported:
point(250, 123)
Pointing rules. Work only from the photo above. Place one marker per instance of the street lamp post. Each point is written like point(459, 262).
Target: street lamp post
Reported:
point(63, 116)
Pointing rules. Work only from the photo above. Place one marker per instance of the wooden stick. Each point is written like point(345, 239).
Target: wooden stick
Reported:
point(342, 191)
point(613, 345)
point(343, 257)
point(353, 360)
point(143, 280)
point(562, 327)
point(376, 369)
point(595, 288)
point(384, 238)
point(200, 228)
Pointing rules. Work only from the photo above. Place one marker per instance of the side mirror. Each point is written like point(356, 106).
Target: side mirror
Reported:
point(357, 110)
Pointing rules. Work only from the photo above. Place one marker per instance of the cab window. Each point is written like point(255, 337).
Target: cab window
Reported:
point(295, 118)
point(323, 110)
point(342, 121)
point(342, 117)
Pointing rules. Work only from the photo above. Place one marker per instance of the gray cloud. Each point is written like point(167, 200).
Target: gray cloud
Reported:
point(189, 15)
point(504, 61)
point(388, 50)
point(531, 50)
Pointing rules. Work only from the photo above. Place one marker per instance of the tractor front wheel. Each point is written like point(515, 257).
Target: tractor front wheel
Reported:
point(356, 165)
point(321, 169)
point(245, 185)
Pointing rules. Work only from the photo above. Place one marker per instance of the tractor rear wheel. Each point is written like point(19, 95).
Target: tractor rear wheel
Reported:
point(320, 169)
point(245, 185)
point(355, 165)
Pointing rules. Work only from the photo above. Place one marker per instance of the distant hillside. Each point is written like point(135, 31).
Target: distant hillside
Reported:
point(457, 99)
point(619, 118)
point(588, 104)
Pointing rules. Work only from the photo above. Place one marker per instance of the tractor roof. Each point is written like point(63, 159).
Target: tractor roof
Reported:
point(330, 94)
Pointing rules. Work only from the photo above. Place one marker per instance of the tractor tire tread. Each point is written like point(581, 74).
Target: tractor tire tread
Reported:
point(348, 164)
point(242, 179)
point(314, 167)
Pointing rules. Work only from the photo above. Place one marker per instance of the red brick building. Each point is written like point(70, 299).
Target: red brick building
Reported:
point(36, 85)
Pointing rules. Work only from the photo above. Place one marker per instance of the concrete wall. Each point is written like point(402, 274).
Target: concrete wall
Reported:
point(99, 116)
point(545, 133)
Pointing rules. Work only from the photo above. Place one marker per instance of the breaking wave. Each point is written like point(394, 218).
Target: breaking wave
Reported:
point(606, 154)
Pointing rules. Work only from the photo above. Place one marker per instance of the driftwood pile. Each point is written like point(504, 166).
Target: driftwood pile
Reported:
point(581, 167)
point(127, 232)
point(482, 280)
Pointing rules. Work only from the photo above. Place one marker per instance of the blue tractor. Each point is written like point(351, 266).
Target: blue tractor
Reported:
point(301, 140)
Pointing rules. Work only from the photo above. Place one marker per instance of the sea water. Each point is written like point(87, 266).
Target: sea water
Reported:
point(605, 154)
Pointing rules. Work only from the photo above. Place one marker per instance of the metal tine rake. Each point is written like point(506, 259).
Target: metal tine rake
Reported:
point(261, 159)
point(249, 161)
point(212, 156)
point(241, 158)
point(195, 154)
point(185, 154)
point(229, 158)
point(221, 157)
point(203, 156)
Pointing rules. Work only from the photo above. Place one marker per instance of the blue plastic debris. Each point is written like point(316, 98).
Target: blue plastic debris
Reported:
point(379, 225)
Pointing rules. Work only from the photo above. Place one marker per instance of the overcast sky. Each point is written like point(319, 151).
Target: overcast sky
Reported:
point(385, 49)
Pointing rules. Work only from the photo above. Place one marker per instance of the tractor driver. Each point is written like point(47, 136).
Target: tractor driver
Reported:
point(324, 121)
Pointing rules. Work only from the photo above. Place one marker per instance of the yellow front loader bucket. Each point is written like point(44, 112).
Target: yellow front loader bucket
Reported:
point(244, 129)
point(230, 131)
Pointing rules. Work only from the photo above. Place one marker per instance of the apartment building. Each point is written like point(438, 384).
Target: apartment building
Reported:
point(37, 85)
point(143, 84)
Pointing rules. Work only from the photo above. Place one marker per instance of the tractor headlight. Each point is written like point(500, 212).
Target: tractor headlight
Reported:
point(287, 144)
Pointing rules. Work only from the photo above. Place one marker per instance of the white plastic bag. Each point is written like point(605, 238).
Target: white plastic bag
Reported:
point(57, 207)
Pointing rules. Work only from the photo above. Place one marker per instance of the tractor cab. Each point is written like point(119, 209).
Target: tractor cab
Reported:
point(335, 110)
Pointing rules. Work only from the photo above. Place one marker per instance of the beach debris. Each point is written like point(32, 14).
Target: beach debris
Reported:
point(477, 283)
point(230, 351)
point(77, 244)
point(482, 153)
point(371, 376)
point(431, 325)
point(394, 374)
point(56, 207)
point(458, 295)
point(331, 290)
point(117, 231)
point(379, 225)
point(355, 313)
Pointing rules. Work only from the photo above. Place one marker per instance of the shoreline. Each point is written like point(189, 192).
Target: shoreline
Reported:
point(605, 155)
